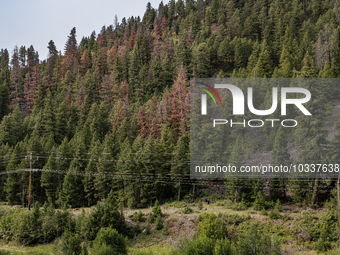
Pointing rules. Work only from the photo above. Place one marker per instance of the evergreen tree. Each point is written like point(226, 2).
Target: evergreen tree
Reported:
point(91, 168)
point(4, 99)
point(280, 156)
point(73, 188)
point(13, 185)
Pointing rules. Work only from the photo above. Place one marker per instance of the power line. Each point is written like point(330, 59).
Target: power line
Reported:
point(157, 179)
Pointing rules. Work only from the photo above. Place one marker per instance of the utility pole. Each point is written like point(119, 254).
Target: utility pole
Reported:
point(30, 180)
point(57, 152)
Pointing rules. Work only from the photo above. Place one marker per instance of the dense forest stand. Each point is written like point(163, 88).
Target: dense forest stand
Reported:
point(30, 179)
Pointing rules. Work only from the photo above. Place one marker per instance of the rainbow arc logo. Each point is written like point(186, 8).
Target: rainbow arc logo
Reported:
point(204, 99)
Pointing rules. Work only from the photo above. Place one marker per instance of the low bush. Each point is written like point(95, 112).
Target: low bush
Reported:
point(187, 210)
point(274, 214)
point(109, 241)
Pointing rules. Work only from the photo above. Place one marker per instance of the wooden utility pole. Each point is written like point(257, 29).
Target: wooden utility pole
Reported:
point(57, 152)
point(30, 180)
point(29, 185)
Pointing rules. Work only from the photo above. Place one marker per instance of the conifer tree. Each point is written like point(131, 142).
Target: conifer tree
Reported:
point(13, 188)
point(50, 181)
point(4, 99)
point(280, 156)
point(16, 80)
point(91, 168)
point(106, 166)
point(72, 194)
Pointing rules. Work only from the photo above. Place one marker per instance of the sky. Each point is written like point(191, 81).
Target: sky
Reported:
point(36, 22)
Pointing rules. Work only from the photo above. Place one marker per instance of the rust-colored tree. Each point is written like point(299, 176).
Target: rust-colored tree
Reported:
point(132, 37)
point(126, 37)
point(142, 122)
point(179, 102)
point(155, 129)
point(30, 87)
point(111, 59)
point(85, 62)
point(102, 39)
point(120, 112)
point(71, 54)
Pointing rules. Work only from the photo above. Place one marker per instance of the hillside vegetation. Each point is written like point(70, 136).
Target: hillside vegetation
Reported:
point(107, 118)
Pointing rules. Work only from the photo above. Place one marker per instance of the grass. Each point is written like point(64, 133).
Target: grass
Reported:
point(15, 249)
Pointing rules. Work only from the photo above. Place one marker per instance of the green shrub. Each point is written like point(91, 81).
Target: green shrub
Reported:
point(212, 227)
point(259, 202)
point(326, 228)
point(274, 214)
point(137, 229)
point(235, 219)
point(109, 241)
point(104, 216)
point(187, 210)
point(264, 212)
point(306, 227)
point(304, 205)
point(139, 216)
point(148, 230)
point(70, 243)
point(207, 246)
point(222, 246)
point(200, 204)
point(159, 223)
point(241, 206)
point(201, 245)
point(285, 217)
point(151, 218)
point(165, 231)
point(256, 241)
point(229, 204)
point(156, 210)
point(278, 205)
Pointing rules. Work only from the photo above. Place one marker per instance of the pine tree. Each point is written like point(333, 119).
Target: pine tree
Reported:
point(134, 67)
point(264, 65)
point(202, 61)
point(4, 99)
point(48, 115)
point(85, 62)
point(91, 168)
point(71, 53)
point(280, 156)
point(61, 123)
point(50, 181)
point(13, 184)
point(73, 187)
point(11, 128)
point(179, 103)
point(124, 165)
point(106, 166)
point(16, 80)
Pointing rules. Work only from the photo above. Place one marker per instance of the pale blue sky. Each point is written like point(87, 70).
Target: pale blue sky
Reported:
point(36, 22)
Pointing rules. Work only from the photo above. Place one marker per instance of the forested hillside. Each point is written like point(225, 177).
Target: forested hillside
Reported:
point(117, 102)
